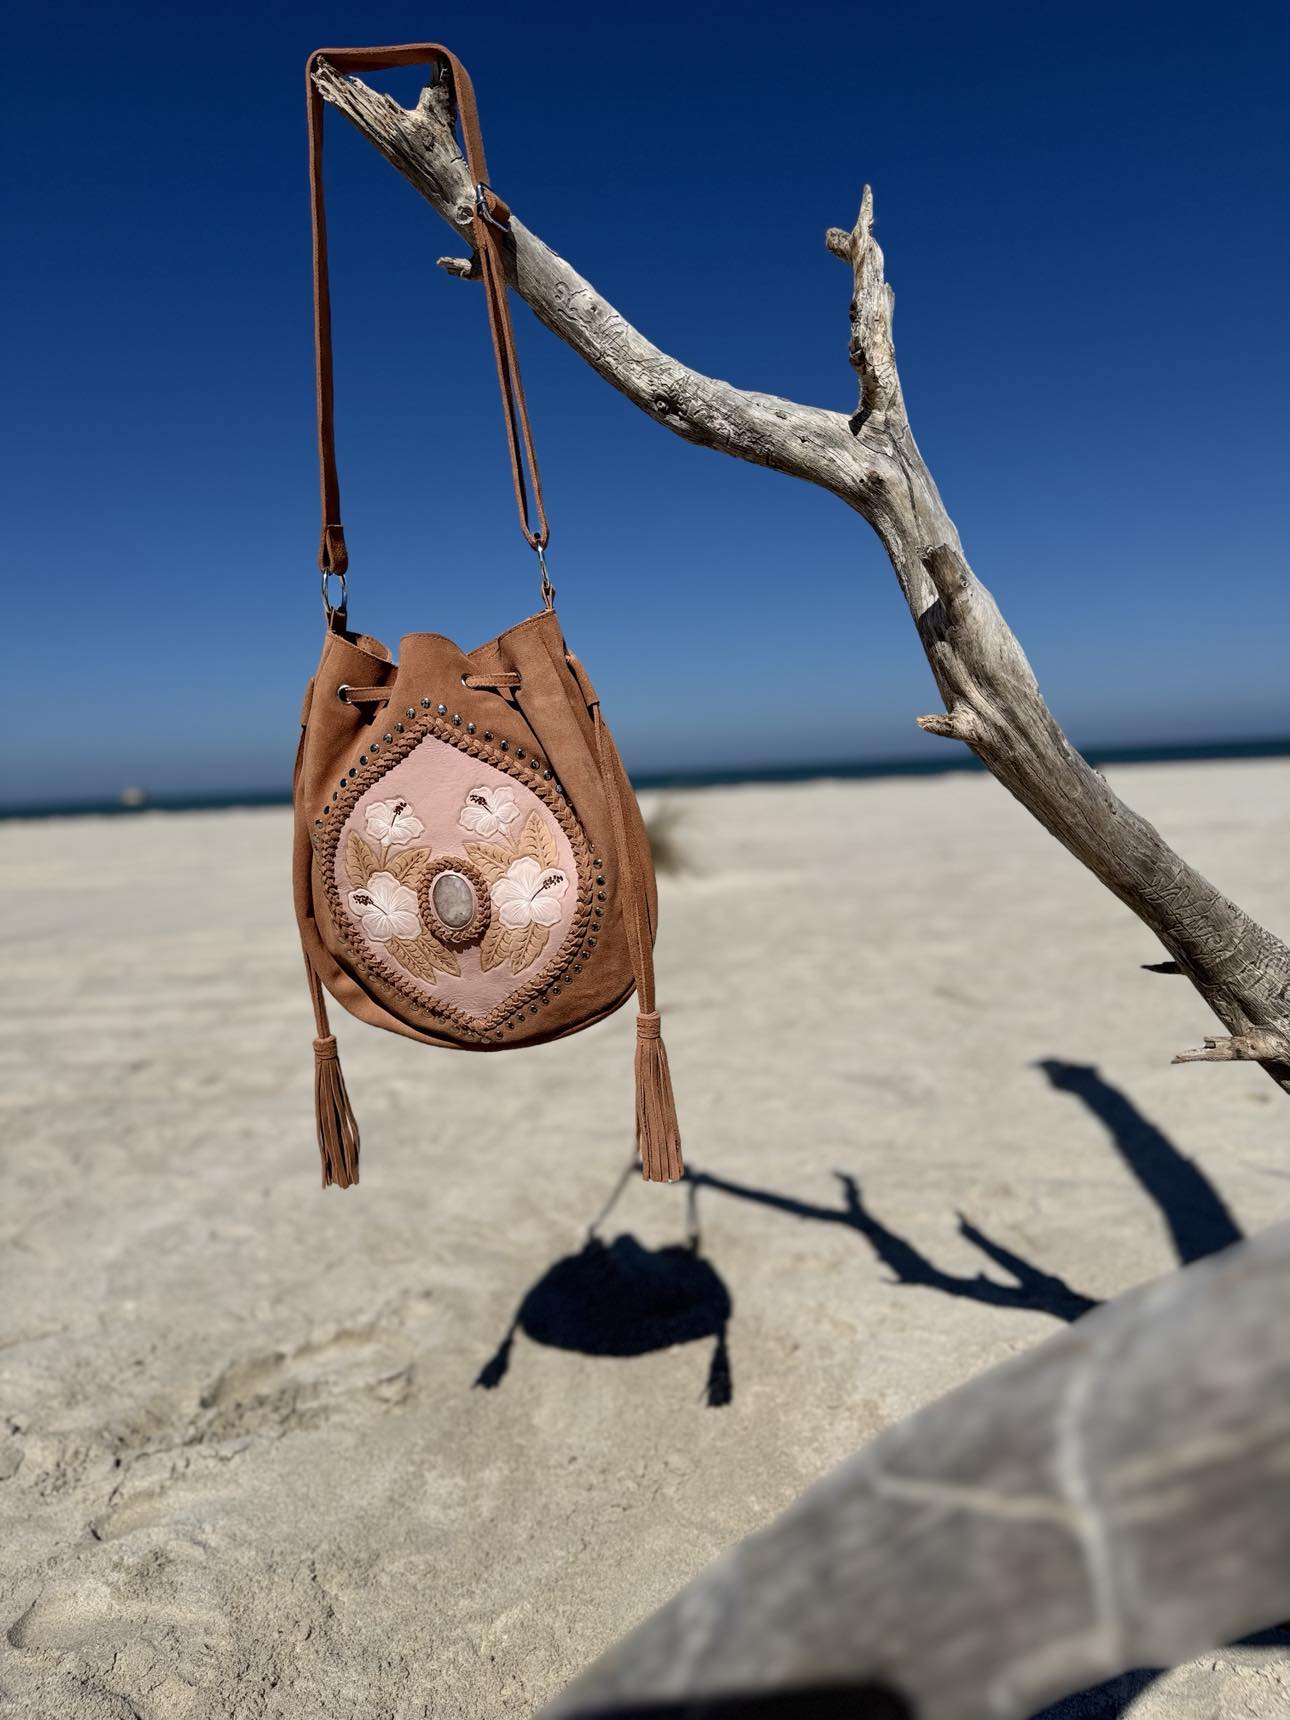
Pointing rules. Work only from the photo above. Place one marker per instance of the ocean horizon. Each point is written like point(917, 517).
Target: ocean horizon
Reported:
point(133, 801)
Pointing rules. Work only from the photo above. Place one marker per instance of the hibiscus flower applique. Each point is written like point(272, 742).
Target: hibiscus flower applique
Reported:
point(386, 909)
point(529, 894)
point(392, 822)
point(489, 811)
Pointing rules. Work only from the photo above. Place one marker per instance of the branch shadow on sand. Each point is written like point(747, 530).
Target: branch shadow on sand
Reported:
point(623, 1299)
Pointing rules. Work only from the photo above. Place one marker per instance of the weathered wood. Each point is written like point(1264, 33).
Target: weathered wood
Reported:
point(871, 461)
point(1116, 1497)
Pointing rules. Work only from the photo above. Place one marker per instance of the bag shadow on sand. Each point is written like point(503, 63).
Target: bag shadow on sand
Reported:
point(624, 1299)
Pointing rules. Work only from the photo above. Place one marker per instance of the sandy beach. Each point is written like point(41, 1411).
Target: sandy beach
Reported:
point(244, 1466)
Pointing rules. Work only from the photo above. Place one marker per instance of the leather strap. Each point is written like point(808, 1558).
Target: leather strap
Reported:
point(489, 223)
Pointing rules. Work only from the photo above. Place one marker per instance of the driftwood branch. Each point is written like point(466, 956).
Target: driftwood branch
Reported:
point(1116, 1497)
point(870, 460)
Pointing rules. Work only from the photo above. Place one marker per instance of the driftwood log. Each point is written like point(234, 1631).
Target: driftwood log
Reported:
point(870, 460)
point(1116, 1497)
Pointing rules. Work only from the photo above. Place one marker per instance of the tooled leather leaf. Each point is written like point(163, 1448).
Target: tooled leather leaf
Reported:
point(491, 859)
point(360, 861)
point(411, 866)
point(495, 947)
point(537, 841)
point(424, 956)
point(529, 945)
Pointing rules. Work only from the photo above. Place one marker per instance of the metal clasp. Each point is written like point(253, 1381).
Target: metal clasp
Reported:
point(330, 608)
point(483, 192)
point(548, 590)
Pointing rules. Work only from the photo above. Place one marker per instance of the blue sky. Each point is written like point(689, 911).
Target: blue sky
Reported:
point(1082, 209)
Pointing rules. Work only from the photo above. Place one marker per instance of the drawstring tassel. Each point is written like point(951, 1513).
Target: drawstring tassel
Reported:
point(658, 1136)
point(337, 1129)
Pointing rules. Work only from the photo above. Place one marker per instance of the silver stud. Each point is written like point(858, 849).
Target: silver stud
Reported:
point(519, 752)
point(470, 728)
point(376, 746)
point(600, 880)
point(546, 776)
point(399, 726)
point(362, 758)
point(600, 895)
point(442, 709)
point(411, 711)
point(598, 864)
point(487, 735)
point(456, 719)
point(600, 913)
point(577, 967)
point(505, 745)
point(425, 704)
point(388, 739)
point(353, 771)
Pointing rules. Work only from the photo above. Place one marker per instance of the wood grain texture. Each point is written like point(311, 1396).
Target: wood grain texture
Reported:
point(1116, 1497)
point(870, 460)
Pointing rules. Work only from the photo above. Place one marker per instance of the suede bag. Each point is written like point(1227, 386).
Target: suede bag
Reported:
point(470, 865)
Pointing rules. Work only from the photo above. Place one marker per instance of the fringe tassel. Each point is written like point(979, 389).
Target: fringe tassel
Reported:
point(658, 1135)
point(337, 1129)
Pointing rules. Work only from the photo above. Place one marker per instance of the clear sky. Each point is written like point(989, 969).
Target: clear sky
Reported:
point(1083, 213)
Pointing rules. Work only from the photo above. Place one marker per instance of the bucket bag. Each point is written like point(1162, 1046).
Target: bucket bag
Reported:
point(471, 869)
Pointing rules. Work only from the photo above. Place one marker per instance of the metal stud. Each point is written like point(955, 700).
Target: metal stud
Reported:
point(411, 711)
point(600, 895)
point(376, 746)
point(388, 739)
point(600, 913)
point(442, 709)
point(399, 726)
point(599, 865)
point(362, 758)
point(425, 704)
point(577, 967)
point(318, 822)
point(326, 810)
point(505, 745)
point(600, 880)
point(546, 776)
point(470, 728)
point(353, 770)
point(456, 719)
point(487, 735)
point(519, 752)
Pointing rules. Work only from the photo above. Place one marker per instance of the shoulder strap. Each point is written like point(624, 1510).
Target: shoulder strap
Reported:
point(489, 224)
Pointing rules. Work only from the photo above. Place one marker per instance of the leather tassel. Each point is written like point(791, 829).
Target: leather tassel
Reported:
point(658, 1135)
point(337, 1129)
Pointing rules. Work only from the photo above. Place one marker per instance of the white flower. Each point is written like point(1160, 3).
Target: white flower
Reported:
point(529, 896)
point(386, 908)
point(488, 810)
point(392, 821)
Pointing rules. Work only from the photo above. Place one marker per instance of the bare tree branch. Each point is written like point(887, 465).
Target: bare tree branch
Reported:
point(1116, 1497)
point(871, 461)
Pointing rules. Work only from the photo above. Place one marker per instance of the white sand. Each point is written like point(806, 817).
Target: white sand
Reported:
point(245, 1469)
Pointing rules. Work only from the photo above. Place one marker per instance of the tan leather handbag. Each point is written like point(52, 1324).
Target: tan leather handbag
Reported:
point(471, 868)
